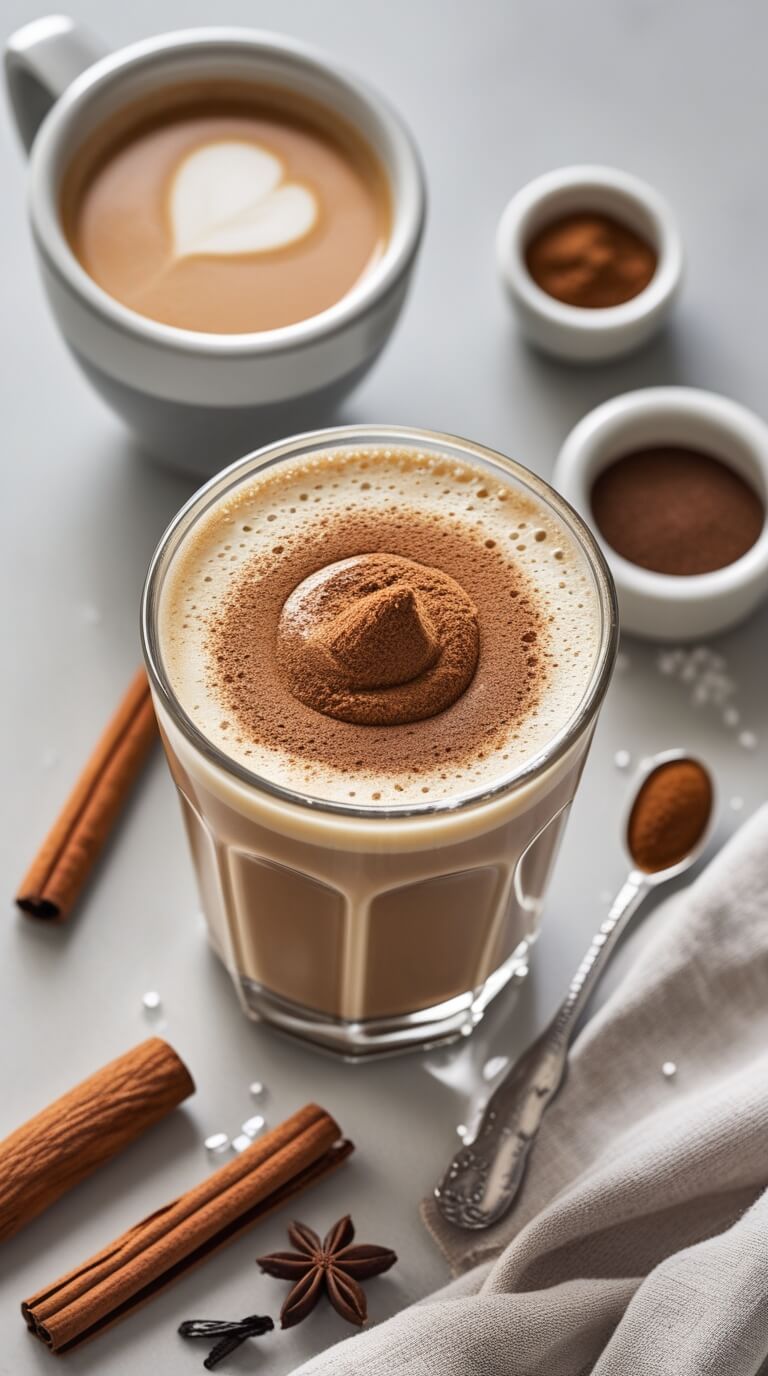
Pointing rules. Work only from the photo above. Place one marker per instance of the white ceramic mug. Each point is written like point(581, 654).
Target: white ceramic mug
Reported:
point(196, 399)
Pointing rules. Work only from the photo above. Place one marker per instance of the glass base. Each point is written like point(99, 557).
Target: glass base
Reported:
point(435, 1026)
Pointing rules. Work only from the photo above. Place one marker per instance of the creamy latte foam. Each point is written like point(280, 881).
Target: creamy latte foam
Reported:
point(226, 208)
point(379, 626)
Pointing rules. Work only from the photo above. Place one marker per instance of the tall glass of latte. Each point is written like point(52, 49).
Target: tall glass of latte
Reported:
point(377, 658)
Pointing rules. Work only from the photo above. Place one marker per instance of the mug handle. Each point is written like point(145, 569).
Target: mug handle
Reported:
point(41, 61)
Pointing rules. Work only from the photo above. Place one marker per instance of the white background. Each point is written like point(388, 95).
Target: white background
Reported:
point(495, 93)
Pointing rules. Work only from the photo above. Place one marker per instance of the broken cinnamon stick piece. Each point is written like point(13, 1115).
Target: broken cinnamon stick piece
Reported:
point(95, 1120)
point(62, 865)
point(183, 1233)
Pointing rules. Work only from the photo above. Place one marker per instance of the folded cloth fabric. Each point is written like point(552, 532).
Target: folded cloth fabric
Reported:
point(639, 1243)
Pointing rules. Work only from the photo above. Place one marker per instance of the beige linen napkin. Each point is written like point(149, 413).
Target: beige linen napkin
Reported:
point(639, 1245)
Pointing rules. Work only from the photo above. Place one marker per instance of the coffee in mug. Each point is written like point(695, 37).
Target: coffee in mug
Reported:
point(226, 223)
point(226, 208)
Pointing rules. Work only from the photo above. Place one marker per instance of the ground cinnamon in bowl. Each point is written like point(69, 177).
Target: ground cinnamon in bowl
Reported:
point(590, 260)
point(670, 815)
point(676, 511)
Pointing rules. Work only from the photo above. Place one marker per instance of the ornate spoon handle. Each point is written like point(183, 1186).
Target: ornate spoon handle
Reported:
point(484, 1176)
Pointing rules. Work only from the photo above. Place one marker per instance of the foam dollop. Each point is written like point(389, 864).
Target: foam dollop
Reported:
point(378, 640)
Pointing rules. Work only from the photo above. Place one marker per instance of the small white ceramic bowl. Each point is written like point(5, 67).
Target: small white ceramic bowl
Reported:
point(661, 606)
point(579, 333)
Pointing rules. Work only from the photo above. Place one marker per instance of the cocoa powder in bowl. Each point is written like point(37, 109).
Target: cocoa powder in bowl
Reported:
point(590, 260)
point(676, 511)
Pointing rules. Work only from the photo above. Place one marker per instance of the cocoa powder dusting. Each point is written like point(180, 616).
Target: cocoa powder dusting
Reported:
point(415, 645)
point(670, 815)
point(378, 640)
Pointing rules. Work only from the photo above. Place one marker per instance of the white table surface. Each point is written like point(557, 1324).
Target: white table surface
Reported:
point(495, 94)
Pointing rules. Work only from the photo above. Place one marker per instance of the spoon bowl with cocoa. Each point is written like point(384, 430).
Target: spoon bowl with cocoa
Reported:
point(665, 830)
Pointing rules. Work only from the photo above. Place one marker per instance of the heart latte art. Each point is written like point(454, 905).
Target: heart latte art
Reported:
point(226, 213)
point(233, 198)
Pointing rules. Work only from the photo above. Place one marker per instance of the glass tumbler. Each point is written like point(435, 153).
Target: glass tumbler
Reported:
point(367, 929)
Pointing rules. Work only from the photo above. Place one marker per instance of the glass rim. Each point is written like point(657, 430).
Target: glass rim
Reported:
point(453, 446)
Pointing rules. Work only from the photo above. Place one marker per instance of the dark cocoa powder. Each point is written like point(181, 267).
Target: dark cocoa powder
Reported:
point(252, 678)
point(676, 511)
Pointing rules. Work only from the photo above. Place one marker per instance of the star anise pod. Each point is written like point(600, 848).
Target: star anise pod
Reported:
point(333, 1266)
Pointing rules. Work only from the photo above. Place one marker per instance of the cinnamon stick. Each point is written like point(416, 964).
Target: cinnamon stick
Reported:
point(95, 1120)
point(181, 1234)
point(62, 865)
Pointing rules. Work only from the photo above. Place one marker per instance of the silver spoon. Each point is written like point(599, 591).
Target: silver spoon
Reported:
point(484, 1176)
